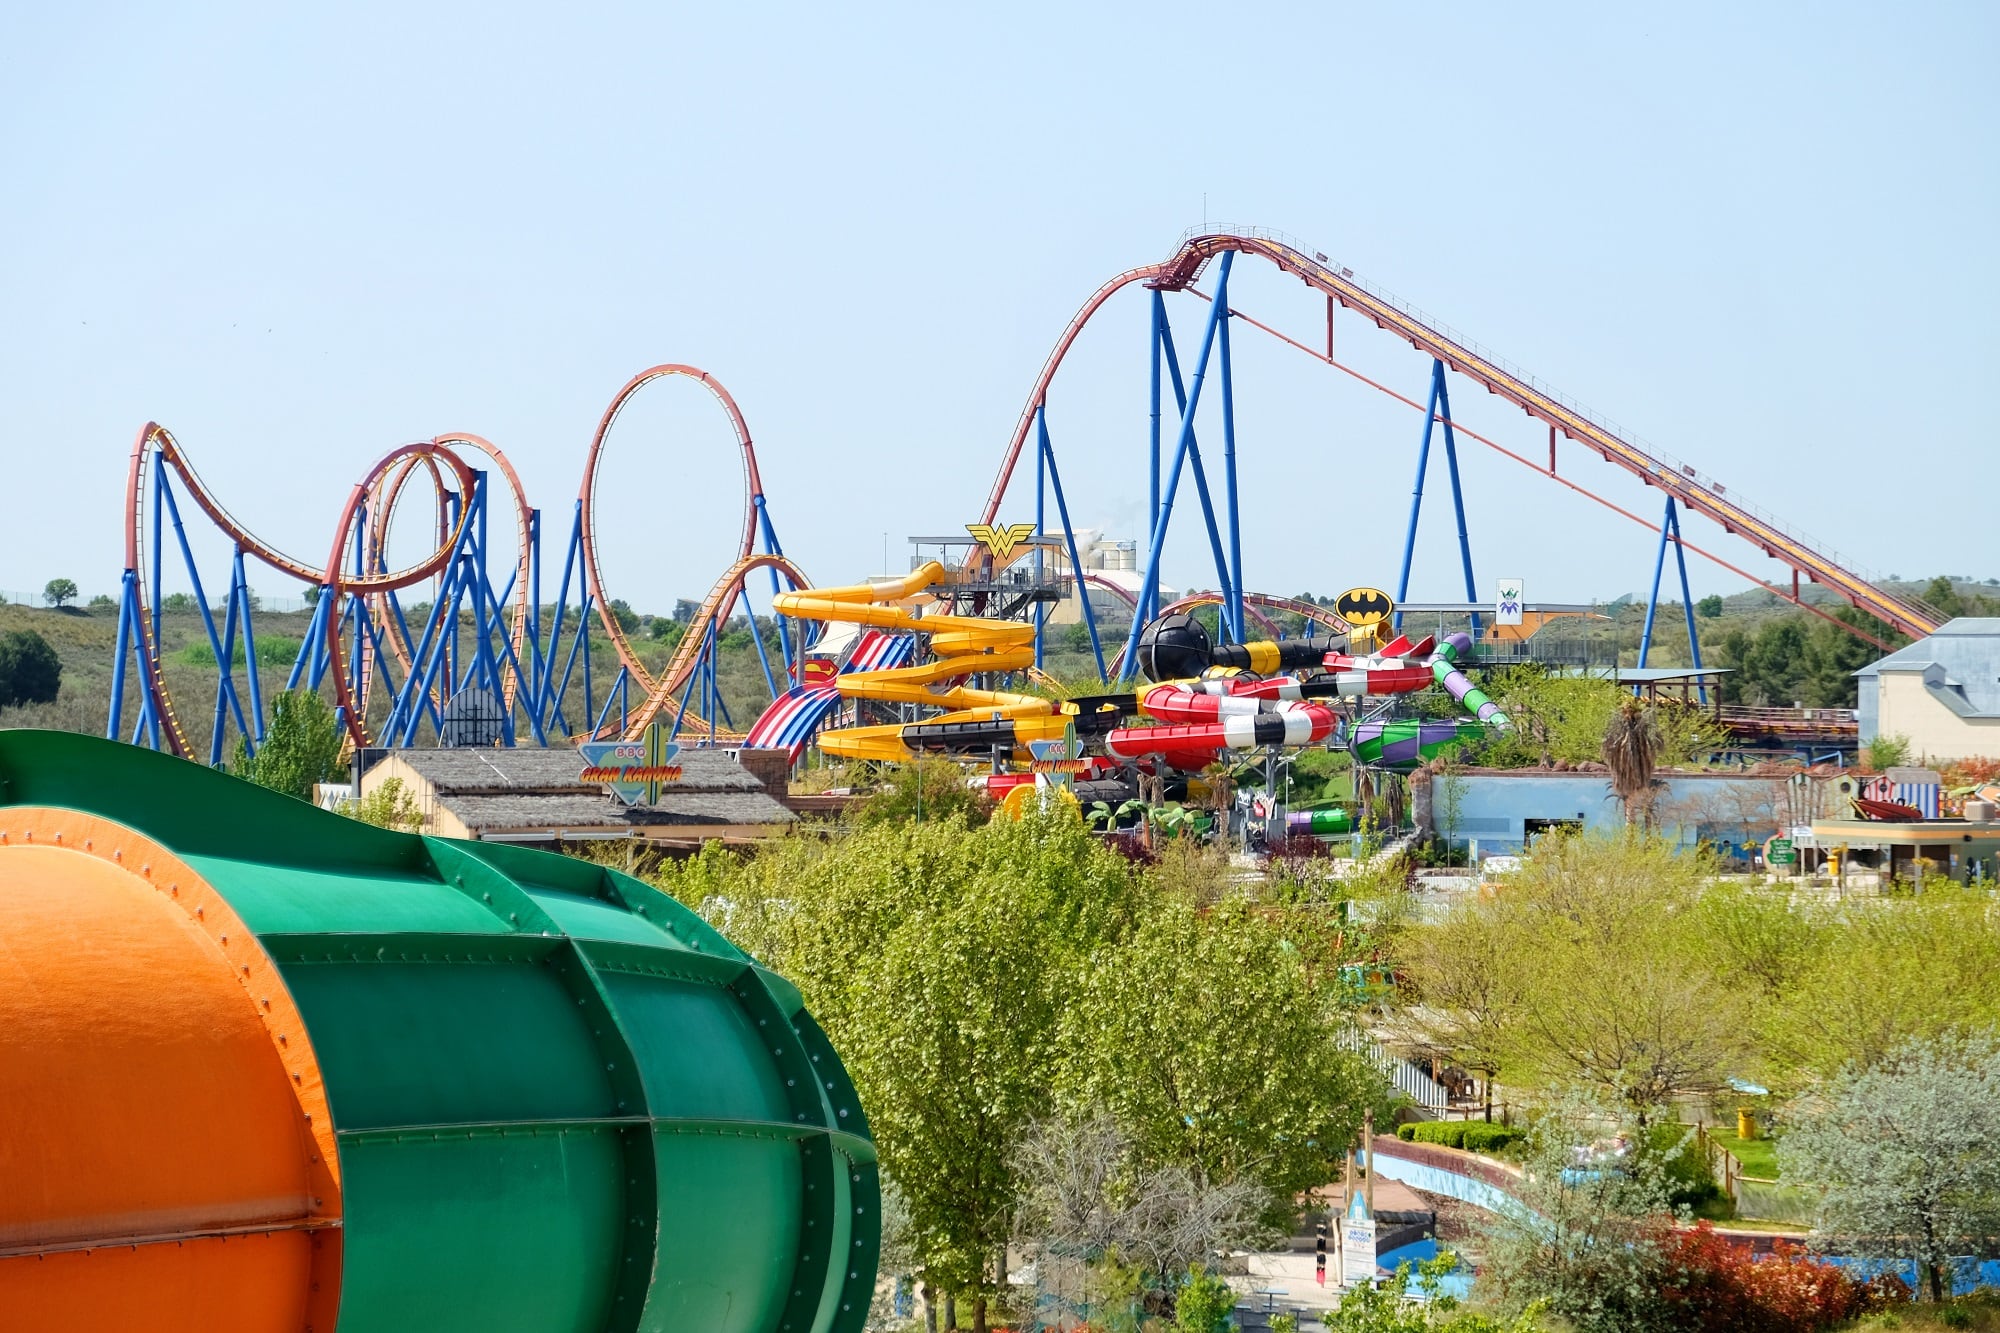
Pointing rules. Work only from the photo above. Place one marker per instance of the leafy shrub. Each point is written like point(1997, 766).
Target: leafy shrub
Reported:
point(1711, 1286)
point(1683, 1167)
point(1471, 1135)
point(30, 670)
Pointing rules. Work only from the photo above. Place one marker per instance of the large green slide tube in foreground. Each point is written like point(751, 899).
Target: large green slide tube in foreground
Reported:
point(526, 1093)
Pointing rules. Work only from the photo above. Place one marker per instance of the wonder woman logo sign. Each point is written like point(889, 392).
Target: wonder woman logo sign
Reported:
point(1000, 541)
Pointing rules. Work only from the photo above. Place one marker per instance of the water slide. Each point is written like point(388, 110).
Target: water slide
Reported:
point(974, 719)
point(789, 723)
point(1688, 486)
point(1206, 716)
point(266, 1068)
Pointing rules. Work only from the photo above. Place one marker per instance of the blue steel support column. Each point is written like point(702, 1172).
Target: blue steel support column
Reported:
point(1184, 443)
point(1149, 595)
point(127, 599)
point(1069, 534)
point(551, 699)
point(714, 682)
point(358, 605)
point(1687, 601)
point(1041, 526)
point(1222, 578)
point(159, 593)
point(793, 669)
point(1443, 394)
point(1670, 530)
point(250, 656)
point(225, 696)
point(1417, 495)
point(757, 639)
point(531, 689)
point(308, 651)
point(1233, 587)
point(1653, 598)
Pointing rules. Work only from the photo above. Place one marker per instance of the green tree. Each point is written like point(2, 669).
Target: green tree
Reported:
point(1802, 658)
point(59, 592)
point(1885, 752)
point(1203, 1303)
point(1904, 1155)
point(101, 602)
point(1709, 607)
point(301, 746)
point(622, 612)
point(1941, 593)
point(938, 957)
point(1873, 981)
point(1212, 1046)
point(1564, 719)
point(1619, 991)
point(30, 670)
point(1467, 984)
point(925, 789)
point(1584, 1244)
point(390, 806)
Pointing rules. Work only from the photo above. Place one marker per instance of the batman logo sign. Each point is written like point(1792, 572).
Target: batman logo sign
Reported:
point(1361, 607)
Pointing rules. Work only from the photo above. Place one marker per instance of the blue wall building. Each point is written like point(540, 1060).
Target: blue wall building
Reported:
point(1503, 810)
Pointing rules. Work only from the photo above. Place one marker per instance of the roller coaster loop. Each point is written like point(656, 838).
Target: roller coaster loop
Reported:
point(478, 642)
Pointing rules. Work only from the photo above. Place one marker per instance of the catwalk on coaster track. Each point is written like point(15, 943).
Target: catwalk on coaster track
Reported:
point(482, 649)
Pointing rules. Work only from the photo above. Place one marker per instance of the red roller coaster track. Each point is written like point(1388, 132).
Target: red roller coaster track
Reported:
point(375, 492)
point(720, 603)
point(1688, 487)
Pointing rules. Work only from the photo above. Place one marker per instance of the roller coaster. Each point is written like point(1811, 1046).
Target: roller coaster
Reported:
point(485, 662)
point(490, 659)
point(1683, 485)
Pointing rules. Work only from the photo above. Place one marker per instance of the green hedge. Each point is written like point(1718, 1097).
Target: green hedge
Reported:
point(1471, 1135)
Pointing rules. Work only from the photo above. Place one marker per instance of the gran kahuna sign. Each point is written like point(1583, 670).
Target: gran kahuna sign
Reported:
point(633, 770)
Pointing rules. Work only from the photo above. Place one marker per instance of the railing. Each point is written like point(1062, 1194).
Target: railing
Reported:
point(1405, 1077)
point(1722, 1163)
point(1748, 715)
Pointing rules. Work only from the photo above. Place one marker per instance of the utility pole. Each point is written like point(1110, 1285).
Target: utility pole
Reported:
point(1368, 1146)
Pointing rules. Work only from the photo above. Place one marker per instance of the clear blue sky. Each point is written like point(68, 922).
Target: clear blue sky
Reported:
point(1763, 238)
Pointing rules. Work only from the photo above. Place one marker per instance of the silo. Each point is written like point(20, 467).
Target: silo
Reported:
point(265, 1068)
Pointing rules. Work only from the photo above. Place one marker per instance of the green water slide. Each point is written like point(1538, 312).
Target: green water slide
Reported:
point(531, 1094)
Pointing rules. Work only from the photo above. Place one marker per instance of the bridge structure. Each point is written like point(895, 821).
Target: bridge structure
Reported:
point(459, 644)
point(1175, 460)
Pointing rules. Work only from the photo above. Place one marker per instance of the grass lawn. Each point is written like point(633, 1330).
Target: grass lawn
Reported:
point(1759, 1156)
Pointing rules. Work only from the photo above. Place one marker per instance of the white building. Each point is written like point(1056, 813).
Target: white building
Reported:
point(1942, 692)
point(1113, 572)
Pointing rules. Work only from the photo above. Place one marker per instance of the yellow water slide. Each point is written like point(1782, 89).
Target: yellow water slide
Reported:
point(960, 647)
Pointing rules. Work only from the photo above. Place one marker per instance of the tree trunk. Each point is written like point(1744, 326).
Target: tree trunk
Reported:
point(930, 1309)
point(979, 1314)
point(950, 1313)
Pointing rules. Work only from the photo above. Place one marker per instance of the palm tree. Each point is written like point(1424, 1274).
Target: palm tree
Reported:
point(1631, 747)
